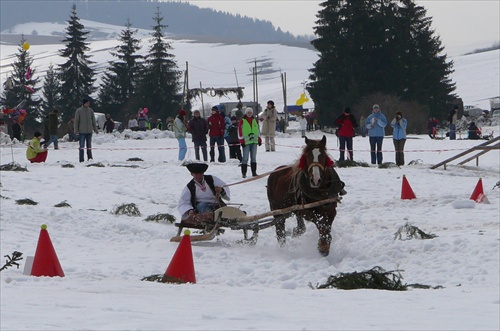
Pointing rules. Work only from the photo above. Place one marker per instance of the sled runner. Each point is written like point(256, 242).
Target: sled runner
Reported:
point(214, 224)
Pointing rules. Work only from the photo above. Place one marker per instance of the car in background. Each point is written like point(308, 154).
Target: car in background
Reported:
point(473, 111)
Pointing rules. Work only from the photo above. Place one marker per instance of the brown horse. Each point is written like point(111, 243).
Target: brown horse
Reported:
point(311, 179)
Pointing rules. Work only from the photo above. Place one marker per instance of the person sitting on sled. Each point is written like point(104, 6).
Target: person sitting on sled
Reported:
point(202, 195)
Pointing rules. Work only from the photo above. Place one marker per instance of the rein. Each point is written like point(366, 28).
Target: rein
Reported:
point(257, 177)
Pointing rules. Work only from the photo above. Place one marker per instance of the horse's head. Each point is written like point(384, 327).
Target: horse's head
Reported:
point(314, 161)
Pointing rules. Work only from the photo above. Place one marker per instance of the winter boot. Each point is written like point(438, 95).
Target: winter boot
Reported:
point(244, 170)
point(253, 166)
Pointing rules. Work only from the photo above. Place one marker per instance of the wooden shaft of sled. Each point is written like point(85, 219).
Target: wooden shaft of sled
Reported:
point(286, 210)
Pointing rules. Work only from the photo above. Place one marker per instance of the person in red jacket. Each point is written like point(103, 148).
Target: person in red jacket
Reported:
point(346, 129)
point(216, 128)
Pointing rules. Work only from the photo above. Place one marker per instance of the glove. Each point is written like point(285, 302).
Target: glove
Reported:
point(242, 143)
point(260, 142)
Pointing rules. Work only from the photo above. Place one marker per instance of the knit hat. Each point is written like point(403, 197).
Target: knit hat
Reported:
point(182, 112)
point(215, 108)
point(347, 110)
point(270, 102)
point(197, 168)
point(37, 134)
point(233, 118)
point(248, 110)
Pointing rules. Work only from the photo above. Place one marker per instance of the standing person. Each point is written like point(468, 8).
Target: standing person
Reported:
point(269, 126)
point(46, 134)
point(159, 124)
point(346, 131)
point(132, 124)
point(282, 124)
point(233, 141)
point(142, 121)
point(399, 137)
point(198, 128)
point(431, 127)
point(227, 124)
point(376, 123)
point(109, 125)
point(202, 195)
point(452, 118)
point(216, 128)
point(84, 125)
point(303, 125)
point(34, 153)
point(16, 129)
point(170, 124)
point(70, 129)
point(180, 133)
point(249, 136)
point(53, 125)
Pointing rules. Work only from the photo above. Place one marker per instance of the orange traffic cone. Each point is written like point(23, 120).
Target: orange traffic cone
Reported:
point(181, 268)
point(478, 194)
point(45, 262)
point(406, 191)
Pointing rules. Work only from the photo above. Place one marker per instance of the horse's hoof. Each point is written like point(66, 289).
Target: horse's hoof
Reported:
point(298, 232)
point(324, 248)
point(281, 242)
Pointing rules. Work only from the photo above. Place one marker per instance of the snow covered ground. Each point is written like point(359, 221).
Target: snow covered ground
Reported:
point(104, 257)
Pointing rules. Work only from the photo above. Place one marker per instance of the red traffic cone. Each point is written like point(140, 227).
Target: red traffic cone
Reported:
point(406, 191)
point(181, 268)
point(478, 193)
point(45, 262)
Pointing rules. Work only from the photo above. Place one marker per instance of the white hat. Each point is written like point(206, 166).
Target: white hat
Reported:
point(249, 110)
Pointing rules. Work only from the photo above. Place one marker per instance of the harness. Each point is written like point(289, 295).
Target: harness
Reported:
point(328, 189)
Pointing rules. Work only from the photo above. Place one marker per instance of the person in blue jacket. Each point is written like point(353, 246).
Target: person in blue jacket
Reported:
point(376, 124)
point(399, 137)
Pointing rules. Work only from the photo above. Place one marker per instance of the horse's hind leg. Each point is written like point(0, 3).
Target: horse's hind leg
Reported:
point(280, 230)
point(300, 229)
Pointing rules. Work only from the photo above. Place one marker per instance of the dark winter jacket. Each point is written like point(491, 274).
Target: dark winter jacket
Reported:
point(53, 123)
point(198, 128)
point(232, 133)
point(109, 126)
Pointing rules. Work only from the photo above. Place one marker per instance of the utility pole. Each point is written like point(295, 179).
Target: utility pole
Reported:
point(255, 87)
point(202, 105)
point(283, 84)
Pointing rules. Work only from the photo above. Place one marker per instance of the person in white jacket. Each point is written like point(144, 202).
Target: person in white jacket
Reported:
point(303, 125)
point(202, 195)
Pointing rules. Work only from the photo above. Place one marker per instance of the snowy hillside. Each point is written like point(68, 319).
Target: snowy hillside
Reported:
point(229, 65)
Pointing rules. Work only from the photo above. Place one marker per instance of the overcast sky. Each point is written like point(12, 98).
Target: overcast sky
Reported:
point(461, 24)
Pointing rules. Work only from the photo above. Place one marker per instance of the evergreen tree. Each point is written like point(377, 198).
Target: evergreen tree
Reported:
point(377, 46)
point(160, 80)
point(76, 75)
point(23, 88)
point(119, 84)
point(51, 92)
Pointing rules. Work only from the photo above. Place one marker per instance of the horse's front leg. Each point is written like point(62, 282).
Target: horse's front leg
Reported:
point(301, 227)
point(324, 226)
point(280, 230)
